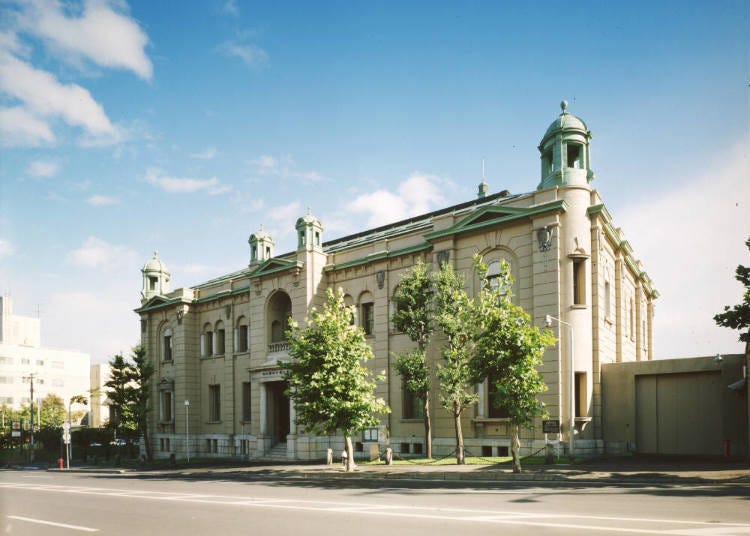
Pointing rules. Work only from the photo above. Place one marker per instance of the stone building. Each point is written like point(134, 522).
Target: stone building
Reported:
point(216, 345)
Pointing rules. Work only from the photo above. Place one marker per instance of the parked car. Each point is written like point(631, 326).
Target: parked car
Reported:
point(95, 444)
point(118, 442)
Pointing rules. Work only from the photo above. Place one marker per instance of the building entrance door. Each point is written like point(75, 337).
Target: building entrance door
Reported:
point(278, 412)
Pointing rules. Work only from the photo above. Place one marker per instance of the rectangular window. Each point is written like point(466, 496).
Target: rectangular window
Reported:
point(243, 339)
point(368, 318)
point(214, 403)
point(166, 406)
point(607, 299)
point(580, 395)
point(6, 360)
point(167, 352)
point(413, 406)
point(495, 410)
point(220, 341)
point(246, 401)
point(574, 156)
point(579, 281)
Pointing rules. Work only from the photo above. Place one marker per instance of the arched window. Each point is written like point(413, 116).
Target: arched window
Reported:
point(207, 341)
point(242, 335)
point(367, 313)
point(166, 344)
point(278, 312)
point(220, 338)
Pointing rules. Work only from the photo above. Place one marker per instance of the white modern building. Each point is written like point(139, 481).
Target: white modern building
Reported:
point(22, 357)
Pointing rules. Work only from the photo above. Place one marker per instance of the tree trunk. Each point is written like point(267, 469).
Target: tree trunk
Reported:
point(515, 447)
point(349, 454)
point(427, 426)
point(460, 460)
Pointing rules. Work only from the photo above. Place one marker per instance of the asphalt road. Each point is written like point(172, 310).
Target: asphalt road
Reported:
point(40, 503)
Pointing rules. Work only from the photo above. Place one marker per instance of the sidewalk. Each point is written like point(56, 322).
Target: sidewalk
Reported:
point(613, 470)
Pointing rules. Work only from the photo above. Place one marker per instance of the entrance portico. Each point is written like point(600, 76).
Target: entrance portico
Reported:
point(277, 426)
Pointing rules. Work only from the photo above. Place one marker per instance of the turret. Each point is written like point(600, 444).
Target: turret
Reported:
point(155, 278)
point(309, 233)
point(565, 152)
point(261, 246)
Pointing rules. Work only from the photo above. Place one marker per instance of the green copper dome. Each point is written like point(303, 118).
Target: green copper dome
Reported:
point(565, 122)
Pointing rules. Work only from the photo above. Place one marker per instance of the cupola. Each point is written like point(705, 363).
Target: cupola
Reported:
point(155, 278)
point(309, 233)
point(261, 246)
point(565, 153)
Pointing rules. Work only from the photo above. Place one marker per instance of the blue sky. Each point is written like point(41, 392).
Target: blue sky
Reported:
point(128, 127)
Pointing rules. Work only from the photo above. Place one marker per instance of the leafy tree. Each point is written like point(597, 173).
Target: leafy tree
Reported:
point(413, 317)
point(738, 316)
point(138, 391)
point(118, 395)
point(330, 387)
point(454, 316)
point(509, 349)
point(53, 412)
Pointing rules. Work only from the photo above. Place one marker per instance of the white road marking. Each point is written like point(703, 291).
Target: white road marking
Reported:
point(53, 524)
point(531, 519)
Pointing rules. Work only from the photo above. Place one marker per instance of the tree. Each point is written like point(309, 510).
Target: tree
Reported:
point(738, 316)
point(329, 386)
point(118, 395)
point(509, 350)
point(53, 412)
point(129, 394)
point(138, 391)
point(454, 311)
point(413, 316)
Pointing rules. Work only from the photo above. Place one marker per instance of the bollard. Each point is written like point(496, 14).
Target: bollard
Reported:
point(59, 463)
point(549, 457)
point(329, 457)
point(389, 456)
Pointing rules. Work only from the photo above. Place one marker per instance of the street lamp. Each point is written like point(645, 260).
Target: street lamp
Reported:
point(187, 429)
point(571, 393)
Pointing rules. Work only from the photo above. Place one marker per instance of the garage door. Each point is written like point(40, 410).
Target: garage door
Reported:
point(679, 413)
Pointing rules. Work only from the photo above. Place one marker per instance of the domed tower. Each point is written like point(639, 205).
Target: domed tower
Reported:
point(261, 246)
point(155, 278)
point(565, 153)
point(309, 233)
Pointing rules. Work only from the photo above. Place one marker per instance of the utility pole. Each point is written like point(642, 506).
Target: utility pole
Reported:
point(30, 377)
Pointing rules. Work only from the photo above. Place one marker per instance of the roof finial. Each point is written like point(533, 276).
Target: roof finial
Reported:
point(156, 254)
point(564, 106)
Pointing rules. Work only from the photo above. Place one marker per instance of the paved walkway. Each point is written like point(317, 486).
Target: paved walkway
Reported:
point(613, 470)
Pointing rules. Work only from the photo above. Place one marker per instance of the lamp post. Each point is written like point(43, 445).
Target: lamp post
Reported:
point(572, 378)
point(187, 429)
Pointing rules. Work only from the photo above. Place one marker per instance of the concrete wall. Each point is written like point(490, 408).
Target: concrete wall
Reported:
point(676, 406)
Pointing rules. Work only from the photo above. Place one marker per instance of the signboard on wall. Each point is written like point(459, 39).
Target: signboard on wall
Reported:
point(551, 426)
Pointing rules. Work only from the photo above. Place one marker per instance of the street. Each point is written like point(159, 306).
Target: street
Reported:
point(42, 503)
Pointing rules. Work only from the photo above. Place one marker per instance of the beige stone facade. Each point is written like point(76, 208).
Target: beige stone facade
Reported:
point(216, 345)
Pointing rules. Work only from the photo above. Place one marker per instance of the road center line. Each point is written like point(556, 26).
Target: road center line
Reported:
point(53, 524)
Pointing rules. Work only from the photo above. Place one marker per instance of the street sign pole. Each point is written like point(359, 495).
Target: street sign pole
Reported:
point(66, 440)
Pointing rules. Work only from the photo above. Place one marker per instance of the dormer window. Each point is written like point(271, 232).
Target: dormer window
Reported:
point(152, 282)
point(547, 163)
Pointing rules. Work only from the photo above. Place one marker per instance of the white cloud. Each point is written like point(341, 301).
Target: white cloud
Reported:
point(206, 154)
point(418, 194)
point(283, 167)
point(103, 33)
point(157, 178)
point(230, 8)
point(251, 55)
point(690, 240)
point(6, 248)
point(101, 200)
point(286, 213)
point(44, 95)
point(40, 168)
point(96, 253)
point(21, 128)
